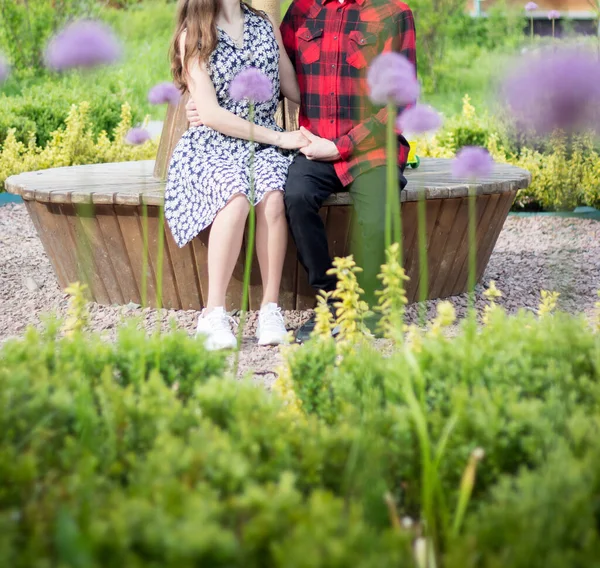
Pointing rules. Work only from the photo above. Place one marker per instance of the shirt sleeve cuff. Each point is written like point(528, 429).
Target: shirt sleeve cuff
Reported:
point(345, 147)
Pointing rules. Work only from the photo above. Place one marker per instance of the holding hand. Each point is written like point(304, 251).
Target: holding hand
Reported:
point(292, 140)
point(319, 148)
point(191, 112)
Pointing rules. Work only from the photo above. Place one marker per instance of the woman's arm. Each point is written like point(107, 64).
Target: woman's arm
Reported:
point(287, 73)
point(214, 116)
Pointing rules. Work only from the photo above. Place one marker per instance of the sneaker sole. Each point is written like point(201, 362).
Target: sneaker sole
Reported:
point(271, 342)
point(202, 336)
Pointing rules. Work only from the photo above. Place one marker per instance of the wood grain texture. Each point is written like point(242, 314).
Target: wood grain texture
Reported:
point(108, 224)
point(174, 126)
point(184, 270)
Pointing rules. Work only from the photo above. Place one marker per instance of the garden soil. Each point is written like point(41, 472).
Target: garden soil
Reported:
point(532, 254)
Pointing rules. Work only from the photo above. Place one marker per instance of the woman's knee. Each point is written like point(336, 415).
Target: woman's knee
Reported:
point(272, 206)
point(238, 205)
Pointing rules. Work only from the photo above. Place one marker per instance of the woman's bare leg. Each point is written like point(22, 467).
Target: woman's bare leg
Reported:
point(224, 245)
point(271, 243)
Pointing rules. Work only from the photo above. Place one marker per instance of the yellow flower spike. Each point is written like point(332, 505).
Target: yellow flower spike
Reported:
point(78, 317)
point(492, 293)
point(446, 316)
point(324, 321)
point(597, 306)
point(468, 110)
point(283, 386)
point(392, 298)
point(548, 303)
point(414, 338)
point(350, 310)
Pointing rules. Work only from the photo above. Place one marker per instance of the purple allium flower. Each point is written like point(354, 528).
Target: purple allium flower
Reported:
point(392, 77)
point(556, 90)
point(419, 119)
point(251, 84)
point(553, 15)
point(4, 69)
point(137, 136)
point(164, 93)
point(531, 7)
point(472, 162)
point(84, 43)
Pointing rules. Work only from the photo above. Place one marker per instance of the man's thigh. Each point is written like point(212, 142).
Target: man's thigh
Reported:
point(310, 179)
point(369, 192)
point(367, 239)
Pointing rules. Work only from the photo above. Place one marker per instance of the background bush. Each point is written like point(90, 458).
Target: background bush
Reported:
point(74, 144)
point(25, 28)
point(34, 100)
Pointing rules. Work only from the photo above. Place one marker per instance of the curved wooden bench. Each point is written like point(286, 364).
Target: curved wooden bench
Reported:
point(89, 219)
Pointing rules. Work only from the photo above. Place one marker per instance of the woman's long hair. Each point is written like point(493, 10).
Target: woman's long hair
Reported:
point(198, 18)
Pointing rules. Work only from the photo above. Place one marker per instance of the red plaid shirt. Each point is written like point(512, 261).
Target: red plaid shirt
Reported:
point(331, 44)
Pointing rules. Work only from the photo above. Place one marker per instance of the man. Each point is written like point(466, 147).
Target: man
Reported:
point(331, 44)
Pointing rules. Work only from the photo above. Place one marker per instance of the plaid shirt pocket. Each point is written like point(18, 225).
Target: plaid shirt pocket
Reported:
point(362, 48)
point(309, 44)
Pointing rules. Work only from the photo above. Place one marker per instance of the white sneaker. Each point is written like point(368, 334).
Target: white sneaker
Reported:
point(271, 328)
point(215, 326)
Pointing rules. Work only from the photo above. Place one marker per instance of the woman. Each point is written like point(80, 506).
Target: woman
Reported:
point(208, 182)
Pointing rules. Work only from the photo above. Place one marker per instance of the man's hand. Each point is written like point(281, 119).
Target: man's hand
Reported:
point(192, 114)
point(318, 148)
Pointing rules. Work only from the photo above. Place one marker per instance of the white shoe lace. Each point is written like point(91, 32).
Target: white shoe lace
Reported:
point(219, 321)
point(272, 320)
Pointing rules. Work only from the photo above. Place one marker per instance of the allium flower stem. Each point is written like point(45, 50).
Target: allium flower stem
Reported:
point(393, 218)
point(160, 254)
point(472, 246)
point(145, 255)
point(423, 265)
point(160, 257)
point(249, 244)
point(531, 27)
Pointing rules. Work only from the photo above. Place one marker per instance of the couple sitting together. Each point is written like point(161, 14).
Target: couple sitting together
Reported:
point(318, 58)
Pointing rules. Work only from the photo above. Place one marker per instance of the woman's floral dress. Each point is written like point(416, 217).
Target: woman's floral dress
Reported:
point(208, 168)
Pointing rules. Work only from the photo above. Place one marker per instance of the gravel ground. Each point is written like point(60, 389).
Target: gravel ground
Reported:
point(533, 253)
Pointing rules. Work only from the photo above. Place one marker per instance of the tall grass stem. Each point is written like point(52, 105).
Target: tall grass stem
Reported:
point(144, 290)
point(472, 246)
point(249, 248)
point(393, 219)
point(423, 264)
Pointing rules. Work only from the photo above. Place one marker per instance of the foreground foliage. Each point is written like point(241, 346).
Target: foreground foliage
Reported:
point(145, 452)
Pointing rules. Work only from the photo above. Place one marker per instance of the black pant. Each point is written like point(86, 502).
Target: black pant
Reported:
point(309, 183)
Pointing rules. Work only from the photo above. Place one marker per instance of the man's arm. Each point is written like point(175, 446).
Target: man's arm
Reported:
point(288, 34)
point(287, 72)
point(370, 133)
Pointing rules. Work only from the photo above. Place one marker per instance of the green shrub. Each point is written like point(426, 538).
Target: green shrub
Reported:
point(565, 170)
point(541, 519)
point(40, 102)
point(145, 451)
point(44, 108)
point(140, 458)
point(74, 144)
point(566, 176)
point(511, 390)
